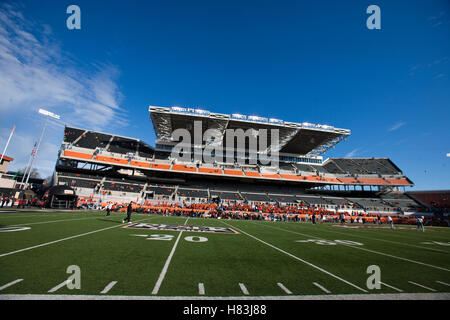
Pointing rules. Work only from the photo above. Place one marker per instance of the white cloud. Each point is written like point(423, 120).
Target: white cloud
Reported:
point(351, 153)
point(36, 73)
point(397, 126)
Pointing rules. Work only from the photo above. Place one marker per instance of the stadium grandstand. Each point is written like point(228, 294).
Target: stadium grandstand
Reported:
point(104, 168)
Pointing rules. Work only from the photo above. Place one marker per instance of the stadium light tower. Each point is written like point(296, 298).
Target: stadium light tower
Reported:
point(47, 115)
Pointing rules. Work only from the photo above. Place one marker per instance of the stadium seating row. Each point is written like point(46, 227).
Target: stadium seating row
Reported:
point(257, 194)
point(244, 172)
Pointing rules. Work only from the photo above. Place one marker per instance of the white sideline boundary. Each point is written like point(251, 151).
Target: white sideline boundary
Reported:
point(375, 296)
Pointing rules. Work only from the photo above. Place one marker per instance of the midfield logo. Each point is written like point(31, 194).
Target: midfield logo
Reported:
point(177, 227)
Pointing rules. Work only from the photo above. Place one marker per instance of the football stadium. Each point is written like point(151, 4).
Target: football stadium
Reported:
point(302, 227)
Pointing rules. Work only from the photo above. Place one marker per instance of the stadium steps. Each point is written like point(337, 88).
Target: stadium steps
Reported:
point(79, 137)
point(143, 191)
point(175, 192)
point(338, 166)
point(101, 184)
point(109, 143)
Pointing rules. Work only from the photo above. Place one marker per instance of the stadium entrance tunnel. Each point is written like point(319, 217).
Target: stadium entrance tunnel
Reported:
point(60, 197)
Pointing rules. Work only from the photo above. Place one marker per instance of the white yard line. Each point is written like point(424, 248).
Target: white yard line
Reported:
point(108, 287)
point(27, 216)
point(166, 266)
point(389, 286)
point(422, 286)
point(396, 257)
point(445, 284)
point(321, 287)
point(53, 221)
point(60, 240)
point(162, 275)
point(368, 250)
point(10, 284)
point(299, 259)
point(243, 289)
point(284, 288)
point(59, 286)
point(201, 289)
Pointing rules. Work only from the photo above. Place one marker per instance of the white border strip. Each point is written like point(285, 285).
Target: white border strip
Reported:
point(375, 296)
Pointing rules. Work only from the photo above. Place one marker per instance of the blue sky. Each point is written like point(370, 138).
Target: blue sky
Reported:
point(312, 61)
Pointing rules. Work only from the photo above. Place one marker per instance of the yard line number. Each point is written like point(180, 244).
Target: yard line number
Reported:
point(168, 237)
point(331, 242)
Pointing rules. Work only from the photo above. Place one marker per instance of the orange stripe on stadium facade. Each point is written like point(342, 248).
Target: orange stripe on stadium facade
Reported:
point(399, 181)
point(111, 160)
point(233, 172)
point(140, 164)
point(180, 167)
point(252, 174)
point(79, 155)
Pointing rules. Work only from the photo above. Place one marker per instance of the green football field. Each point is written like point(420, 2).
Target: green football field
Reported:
point(233, 259)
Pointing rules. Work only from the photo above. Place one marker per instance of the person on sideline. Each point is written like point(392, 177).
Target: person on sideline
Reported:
point(420, 224)
point(129, 211)
point(390, 221)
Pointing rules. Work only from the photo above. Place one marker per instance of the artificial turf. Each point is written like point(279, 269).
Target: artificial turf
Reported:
point(263, 256)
